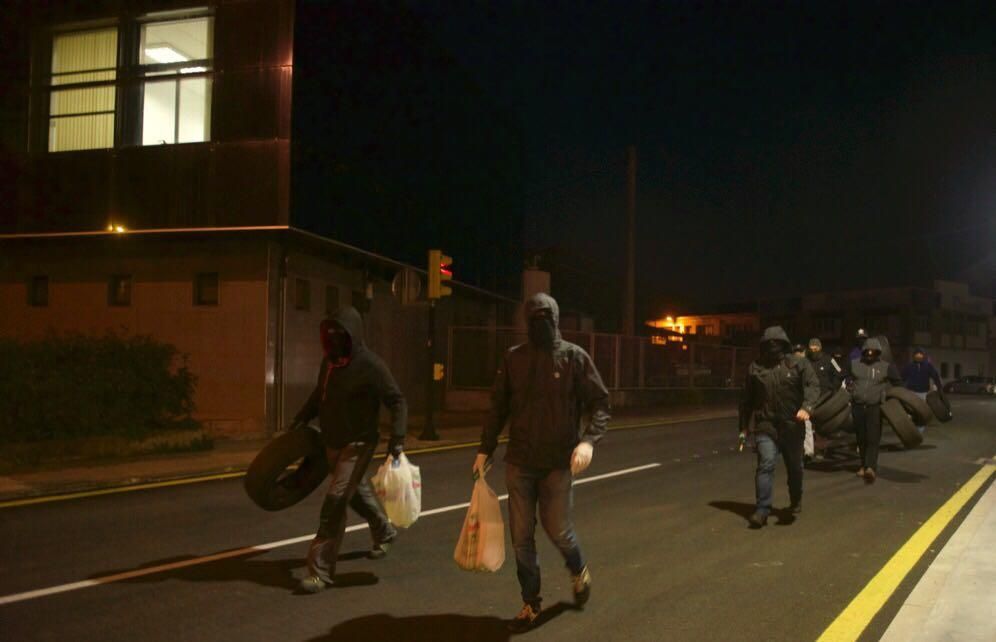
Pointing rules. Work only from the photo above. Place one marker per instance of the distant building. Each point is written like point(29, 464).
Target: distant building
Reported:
point(730, 325)
point(953, 325)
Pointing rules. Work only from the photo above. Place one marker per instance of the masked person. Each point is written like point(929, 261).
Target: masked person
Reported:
point(868, 379)
point(859, 341)
point(918, 376)
point(353, 382)
point(830, 374)
point(543, 389)
point(778, 397)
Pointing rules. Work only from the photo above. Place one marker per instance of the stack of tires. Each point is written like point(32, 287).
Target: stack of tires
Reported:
point(287, 470)
point(903, 410)
point(832, 414)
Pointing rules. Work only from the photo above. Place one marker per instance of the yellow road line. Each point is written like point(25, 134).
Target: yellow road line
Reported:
point(859, 613)
point(215, 477)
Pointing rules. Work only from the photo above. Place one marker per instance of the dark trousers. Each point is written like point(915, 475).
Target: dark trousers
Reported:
point(551, 491)
point(868, 429)
point(790, 444)
point(348, 486)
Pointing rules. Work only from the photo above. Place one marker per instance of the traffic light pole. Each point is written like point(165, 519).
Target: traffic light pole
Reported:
point(429, 431)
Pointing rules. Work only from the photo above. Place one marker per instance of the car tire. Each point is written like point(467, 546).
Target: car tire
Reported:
point(841, 422)
point(939, 406)
point(830, 406)
point(272, 484)
point(915, 406)
point(895, 414)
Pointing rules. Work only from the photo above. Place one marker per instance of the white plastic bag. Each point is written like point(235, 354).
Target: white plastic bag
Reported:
point(398, 485)
point(481, 546)
point(808, 446)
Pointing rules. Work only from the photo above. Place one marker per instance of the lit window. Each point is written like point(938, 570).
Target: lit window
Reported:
point(119, 290)
point(81, 104)
point(38, 291)
point(175, 58)
point(206, 289)
point(302, 295)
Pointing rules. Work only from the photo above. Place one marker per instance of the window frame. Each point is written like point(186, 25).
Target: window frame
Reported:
point(112, 282)
point(302, 303)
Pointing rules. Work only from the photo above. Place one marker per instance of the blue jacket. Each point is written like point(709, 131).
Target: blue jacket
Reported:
point(919, 375)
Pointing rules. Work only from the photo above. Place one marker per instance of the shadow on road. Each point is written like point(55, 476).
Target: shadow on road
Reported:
point(244, 568)
point(784, 517)
point(432, 628)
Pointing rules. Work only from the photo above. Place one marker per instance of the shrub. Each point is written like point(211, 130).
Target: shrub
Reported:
point(72, 386)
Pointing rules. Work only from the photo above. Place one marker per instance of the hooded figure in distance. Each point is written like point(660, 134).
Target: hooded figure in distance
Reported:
point(352, 384)
point(543, 390)
point(868, 379)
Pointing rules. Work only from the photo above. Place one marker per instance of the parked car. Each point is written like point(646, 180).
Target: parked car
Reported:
point(972, 385)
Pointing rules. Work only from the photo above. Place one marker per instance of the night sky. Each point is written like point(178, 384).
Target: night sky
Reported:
point(783, 147)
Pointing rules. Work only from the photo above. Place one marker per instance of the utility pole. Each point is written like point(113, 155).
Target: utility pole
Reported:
point(629, 287)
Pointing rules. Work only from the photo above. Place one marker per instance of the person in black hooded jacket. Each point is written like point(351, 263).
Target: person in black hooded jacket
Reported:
point(543, 390)
point(352, 384)
point(779, 395)
point(868, 378)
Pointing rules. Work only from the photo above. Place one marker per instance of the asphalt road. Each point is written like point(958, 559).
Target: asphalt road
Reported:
point(669, 549)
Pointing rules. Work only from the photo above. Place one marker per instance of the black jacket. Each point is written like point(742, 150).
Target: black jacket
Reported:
point(544, 395)
point(869, 381)
point(347, 399)
point(829, 373)
point(773, 394)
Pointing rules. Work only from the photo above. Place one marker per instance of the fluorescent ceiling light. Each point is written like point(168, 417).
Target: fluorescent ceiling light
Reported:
point(163, 54)
point(193, 70)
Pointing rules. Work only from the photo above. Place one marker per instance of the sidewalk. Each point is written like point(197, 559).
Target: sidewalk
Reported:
point(956, 598)
point(233, 457)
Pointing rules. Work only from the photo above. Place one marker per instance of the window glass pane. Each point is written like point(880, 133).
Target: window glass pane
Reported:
point(82, 51)
point(82, 101)
point(176, 41)
point(302, 294)
point(206, 289)
point(195, 110)
point(81, 132)
point(159, 113)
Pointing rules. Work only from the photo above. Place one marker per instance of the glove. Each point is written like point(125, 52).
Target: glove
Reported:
point(480, 463)
point(395, 446)
point(581, 457)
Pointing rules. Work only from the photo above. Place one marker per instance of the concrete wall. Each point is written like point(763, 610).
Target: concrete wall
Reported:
point(226, 343)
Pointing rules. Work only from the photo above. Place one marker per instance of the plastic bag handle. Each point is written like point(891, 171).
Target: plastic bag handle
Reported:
point(487, 466)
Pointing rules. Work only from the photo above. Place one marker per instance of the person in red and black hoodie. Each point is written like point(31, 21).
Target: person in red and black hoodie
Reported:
point(353, 382)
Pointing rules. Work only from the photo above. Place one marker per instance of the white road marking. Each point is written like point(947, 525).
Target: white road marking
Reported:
point(248, 550)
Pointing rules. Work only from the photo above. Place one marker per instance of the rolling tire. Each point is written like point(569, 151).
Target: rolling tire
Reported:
point(830, 406)
point(895, 414)
point(842, 421)
point(939, 405)
point(269, 482)
point(915, 406)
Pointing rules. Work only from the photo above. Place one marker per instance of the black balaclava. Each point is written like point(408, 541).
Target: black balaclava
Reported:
point(336, 342)
point(772, 350)
point(870, 356)
point(542, 330)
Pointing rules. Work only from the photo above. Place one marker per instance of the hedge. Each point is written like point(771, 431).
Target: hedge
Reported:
point(75, 386)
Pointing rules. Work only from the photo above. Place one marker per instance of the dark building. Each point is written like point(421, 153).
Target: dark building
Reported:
point(222, 174)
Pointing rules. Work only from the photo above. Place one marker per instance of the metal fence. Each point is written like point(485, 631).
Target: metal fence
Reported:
point(626, 363)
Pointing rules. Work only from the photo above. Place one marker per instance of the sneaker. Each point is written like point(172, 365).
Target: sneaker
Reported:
point(379, 550)
point(313, 584)
point(869, 475)
point(861, 472)
point(795, 507)
point(757, 519)
point(582, 587)
point(525, 619)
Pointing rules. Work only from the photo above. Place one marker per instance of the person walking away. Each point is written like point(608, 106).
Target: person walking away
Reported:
point(868, 379)
point(918, 375)
point(543, 389)
point(779, 395)
point(829, 376)
point(353, 382)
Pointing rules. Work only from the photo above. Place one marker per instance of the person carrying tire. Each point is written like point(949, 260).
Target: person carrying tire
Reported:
point(353, 382)
point(543, 389)
point(918, 375)
point(828, 372)
point(868, 379)
point(779, 395)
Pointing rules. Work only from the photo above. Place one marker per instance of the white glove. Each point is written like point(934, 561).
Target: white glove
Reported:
point(581, 457)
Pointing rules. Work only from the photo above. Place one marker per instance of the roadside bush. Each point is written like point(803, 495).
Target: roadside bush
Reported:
point(74, 386)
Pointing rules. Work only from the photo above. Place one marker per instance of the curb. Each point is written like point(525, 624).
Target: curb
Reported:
point(231, 472)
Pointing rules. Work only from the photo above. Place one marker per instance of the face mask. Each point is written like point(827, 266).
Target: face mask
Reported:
point(542, 332)
point(773, 350)
point(336, 343)
point(869, 355)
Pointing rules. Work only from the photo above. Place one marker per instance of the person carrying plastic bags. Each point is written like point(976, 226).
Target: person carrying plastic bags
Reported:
point(353, 382)
point(481, 546)
point(543, 389)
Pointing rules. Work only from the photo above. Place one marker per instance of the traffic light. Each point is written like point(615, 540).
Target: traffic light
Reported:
point(438, 372)
point(440, 272)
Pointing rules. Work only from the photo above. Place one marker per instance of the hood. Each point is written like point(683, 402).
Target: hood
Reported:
point(775, 333)
point(872, 344)
point(539, 302)
point(350, 320)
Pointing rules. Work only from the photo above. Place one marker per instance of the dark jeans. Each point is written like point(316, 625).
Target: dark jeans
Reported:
point(868, 428)
point(789, 444)
point(348, 486)
point(551, 490)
